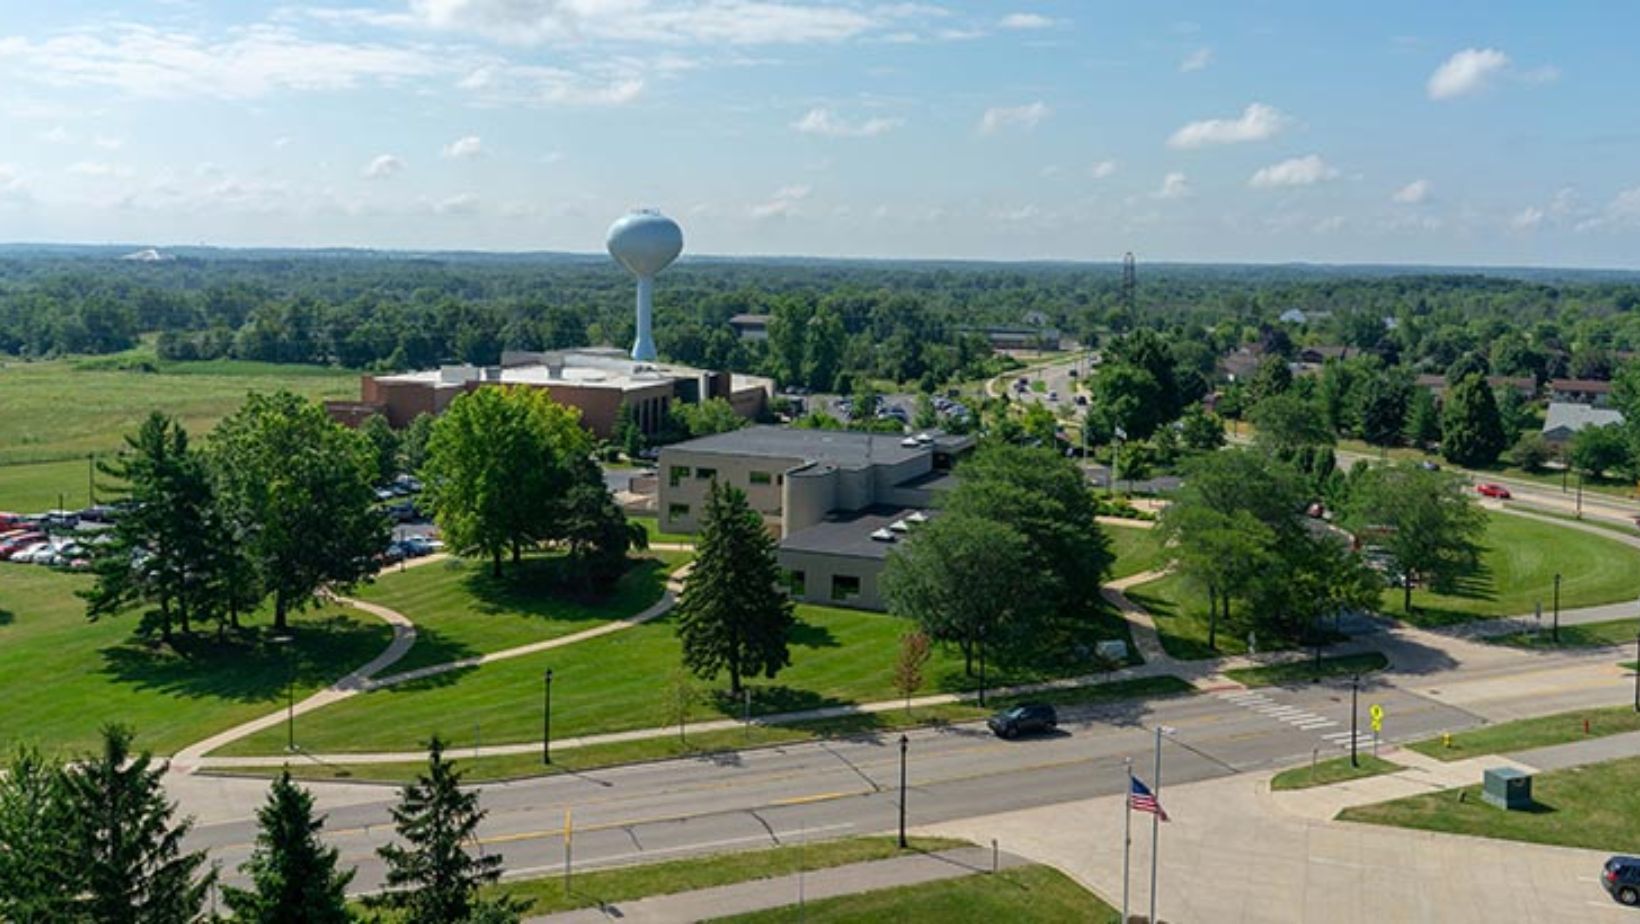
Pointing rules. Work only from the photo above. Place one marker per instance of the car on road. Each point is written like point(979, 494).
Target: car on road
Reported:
point(1492, 489)
point(1621, 877)
point(1429, 466)
point(1024, 719)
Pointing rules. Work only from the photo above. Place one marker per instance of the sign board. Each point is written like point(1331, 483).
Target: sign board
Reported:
point(1377, 713)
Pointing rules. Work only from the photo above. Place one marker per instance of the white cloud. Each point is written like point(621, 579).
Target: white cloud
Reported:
point(1025, 21)
point(716, 22)
point(108, 143)
point(782, 203)
point(1527, 219)
point(1196, 61)
point(1413, 193)
point(1296, 171)
point(56, 135)
point(1256, 123)
point(1468, 71)
point(999, 117)
point(90, 168)
point(1174, 186)
point(464, 148)
point(822, 121)
point(499, 83)
point(1100, 169)
point(459, 204)
point(383, 166)
point(1329, 224)
point(9, 180)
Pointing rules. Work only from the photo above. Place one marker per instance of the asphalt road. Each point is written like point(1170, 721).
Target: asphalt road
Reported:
point(778, 795)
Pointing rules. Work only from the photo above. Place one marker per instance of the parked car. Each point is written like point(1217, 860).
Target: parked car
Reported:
point(1024, 719)
point(28, 554)
point(17, 543)
point(1621, 877)
point(1053, 396)
point(1429, 466)
point(1491, 489)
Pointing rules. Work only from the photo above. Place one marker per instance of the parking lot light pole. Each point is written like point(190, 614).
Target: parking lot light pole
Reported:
point(546, 719)
point(286, 642)
point(1637, 672)
point(1554, 633)
point(904, 743)
point(982, 666)
point(1355, 696)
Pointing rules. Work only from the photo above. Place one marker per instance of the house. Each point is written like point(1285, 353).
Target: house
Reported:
point(1002, 337)
point(1294, 316)
point(750, 326)
point(1316, 355)
point(1565, 419)
point(1580, 391)
point(1525, 386)
point(1240, 364)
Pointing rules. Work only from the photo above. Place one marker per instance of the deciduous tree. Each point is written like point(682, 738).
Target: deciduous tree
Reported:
point(1426, 519)
point(1471, 431)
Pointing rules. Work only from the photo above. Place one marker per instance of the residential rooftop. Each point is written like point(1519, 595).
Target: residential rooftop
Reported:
point(1574, 417)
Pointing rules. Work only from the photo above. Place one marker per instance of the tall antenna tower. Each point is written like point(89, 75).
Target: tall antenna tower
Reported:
point(1130, 285)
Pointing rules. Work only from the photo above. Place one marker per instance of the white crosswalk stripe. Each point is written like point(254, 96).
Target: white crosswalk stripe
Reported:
point(1298, 717)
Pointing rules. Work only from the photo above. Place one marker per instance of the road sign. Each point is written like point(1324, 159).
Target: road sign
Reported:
point(1377, 713)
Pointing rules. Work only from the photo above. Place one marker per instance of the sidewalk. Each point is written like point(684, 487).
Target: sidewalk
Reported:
point(779, 892)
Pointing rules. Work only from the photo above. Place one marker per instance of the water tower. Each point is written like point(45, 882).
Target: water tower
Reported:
point(645, 242)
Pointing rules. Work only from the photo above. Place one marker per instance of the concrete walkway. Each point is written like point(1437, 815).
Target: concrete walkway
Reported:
point(782, 891)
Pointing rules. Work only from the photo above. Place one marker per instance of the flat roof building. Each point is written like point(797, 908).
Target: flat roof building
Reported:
point(599, 382)
point(832, 497)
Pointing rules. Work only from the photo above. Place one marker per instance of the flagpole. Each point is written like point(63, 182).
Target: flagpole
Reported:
point(1155, 822)
point(1127, 833)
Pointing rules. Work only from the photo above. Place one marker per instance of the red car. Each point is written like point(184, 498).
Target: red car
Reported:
point(1489, 489)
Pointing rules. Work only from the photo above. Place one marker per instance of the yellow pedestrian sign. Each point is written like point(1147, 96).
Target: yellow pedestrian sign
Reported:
point(1377, 713)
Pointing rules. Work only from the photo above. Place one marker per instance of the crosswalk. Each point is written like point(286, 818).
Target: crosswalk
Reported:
point(1299, 718)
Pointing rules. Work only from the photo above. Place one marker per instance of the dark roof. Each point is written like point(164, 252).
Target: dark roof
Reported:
point(843, 448)
point(849, 534)
point(749, 320)
point(1590, 385)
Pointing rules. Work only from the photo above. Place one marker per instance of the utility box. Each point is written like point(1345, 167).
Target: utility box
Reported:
point(1507, 788)
point(1114, 649)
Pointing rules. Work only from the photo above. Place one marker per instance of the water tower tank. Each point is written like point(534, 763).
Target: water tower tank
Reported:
point(645, 242)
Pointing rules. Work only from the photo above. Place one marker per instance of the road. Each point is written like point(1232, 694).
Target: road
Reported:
point(773, 796)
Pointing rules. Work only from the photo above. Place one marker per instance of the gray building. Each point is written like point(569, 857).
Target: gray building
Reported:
point(833, 498)
point(1564, 419)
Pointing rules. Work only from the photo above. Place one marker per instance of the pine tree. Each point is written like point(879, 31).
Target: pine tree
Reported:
point(1471, 429)
point(128, 851)
point(1423, 419)
point(294, 874)
point(732, 614)
point(433, 879)
point(37, 872)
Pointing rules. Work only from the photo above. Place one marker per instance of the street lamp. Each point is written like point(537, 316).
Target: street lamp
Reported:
point(904, 742)
point(982, 665)
point(546, 720)
point(1355, 695)
point(1554, 633)
point(285, 642)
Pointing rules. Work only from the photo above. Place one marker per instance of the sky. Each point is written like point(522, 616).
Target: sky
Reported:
point(1457, 133)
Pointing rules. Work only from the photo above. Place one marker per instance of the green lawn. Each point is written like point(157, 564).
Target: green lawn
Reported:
point(60, 410)
point(652, 526)
point(1587, 635)
point(1305, 671)
point(1593, 807)
point(699, 744)
point(1137, 549)
point(1547, 478)
point(1532, 733)
point(1180, 612)
point(1327, 772)
point(614, 682)
point(1023, 895)
point(461, 610)
point(65, 677)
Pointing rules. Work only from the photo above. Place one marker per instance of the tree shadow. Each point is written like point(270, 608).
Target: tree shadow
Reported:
point(245, 666)
point(7, 617)
point(809, 635)
point(432, 648)
point(552, 587)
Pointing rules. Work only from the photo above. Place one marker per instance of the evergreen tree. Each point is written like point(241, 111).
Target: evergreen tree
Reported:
point(384, 447)
point(413, 442)
point(1273, 377)
point(293, 873)
point(127, 849)
point(431, 877)
point(732, 614)
point(1381, 407)
point(38, 874)
point(823, 350)
point(627, 434)
point(1423, 419)
point(1471, 431)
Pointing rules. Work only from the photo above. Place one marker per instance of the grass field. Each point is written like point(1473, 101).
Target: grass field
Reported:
point(1327, 772)
point(652, 526)
point(59, 411)
point(1532, 733)
point(1587, 635)
point(1023, 895)
point(65, 677)
point(1137, 549)
point(1547, 478)
point(461, 610)
point(1180, 613)
point(1592, 807)
point(700, 744)
point(1305, 671)
point(616, 682)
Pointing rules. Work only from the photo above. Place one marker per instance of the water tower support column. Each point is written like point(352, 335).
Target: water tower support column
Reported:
point(643, 347)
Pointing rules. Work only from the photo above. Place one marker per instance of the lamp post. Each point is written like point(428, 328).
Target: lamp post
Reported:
point(982, 665)
point(285, 642)
point(546, 718)
point(1637, 672)
point(1580, 494)
point(1554, 632)
point(1355, 695)
point(904, 742)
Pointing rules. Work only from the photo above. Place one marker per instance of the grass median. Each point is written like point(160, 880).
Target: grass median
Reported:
point(1306, 671)
point(1327, 772)
point(1525, 734)
point(1137, 548)
point(1022, 895)
point(1587, 635)
point(704, 744)
point(1592, 807)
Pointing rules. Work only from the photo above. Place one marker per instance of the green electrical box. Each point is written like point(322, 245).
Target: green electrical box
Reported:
point(1507, 788)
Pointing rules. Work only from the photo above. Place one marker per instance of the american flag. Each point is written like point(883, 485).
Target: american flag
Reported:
point(1140, 799)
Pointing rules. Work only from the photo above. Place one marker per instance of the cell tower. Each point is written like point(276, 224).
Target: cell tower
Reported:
point(645, 242)
point(1130, 285)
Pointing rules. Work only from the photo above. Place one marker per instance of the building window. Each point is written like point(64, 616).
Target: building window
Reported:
point(796, 582)
point(761, 478)
point(677, 510)
point(704, 474)
point(678, 473)
point(844, 586)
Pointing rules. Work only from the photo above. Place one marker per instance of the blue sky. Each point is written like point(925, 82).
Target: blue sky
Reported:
point(1457, 132)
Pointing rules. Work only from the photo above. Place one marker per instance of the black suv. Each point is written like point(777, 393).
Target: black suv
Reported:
point(1621, 877)
point(1024, 719)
